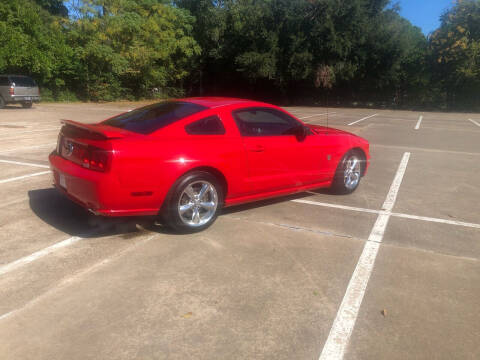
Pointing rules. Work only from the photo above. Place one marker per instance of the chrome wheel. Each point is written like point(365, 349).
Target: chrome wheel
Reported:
point(197, 203)
point(352, 172)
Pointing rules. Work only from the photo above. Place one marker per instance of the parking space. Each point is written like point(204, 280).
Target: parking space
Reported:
point(430, 303)
point(452, 194)
point(390, 271)
point(202, 296)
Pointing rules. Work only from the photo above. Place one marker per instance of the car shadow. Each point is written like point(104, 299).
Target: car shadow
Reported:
point(281, 199)
point(329, 191)
point(263, 203)
point(58, 211)
point(15, 107)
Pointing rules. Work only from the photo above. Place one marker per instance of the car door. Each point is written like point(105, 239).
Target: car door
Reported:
point(276, 157)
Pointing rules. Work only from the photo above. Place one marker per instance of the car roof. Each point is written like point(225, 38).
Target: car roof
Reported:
point(215, 102)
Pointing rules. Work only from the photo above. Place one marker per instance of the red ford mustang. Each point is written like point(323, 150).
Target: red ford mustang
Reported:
point(186, 159)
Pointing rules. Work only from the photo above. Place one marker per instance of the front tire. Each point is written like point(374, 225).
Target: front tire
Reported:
point(348, 174)
point(194, 203)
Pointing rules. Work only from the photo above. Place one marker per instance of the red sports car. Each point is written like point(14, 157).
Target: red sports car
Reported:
point(184, 160)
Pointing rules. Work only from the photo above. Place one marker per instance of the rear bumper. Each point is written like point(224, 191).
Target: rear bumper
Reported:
point(22, 98)
point(100, 193)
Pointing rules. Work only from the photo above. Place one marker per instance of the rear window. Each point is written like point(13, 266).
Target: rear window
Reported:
point(150, 118)
point(22, 81)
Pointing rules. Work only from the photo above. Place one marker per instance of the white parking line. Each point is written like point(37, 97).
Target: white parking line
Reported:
point(24, 163)
point(78, 276)
point(419, 123)
point(13, 202)
point(14, 126)
point(410, 148)
point(440, 221)
point(400, 215)
point(13, 134)
point(37, 255)
point(24, 177)
point(365, 118)
point(343, 325)
point(336, 206)
point(315, 115)
point(315, 121)
point(28, 148)
point(473, 121)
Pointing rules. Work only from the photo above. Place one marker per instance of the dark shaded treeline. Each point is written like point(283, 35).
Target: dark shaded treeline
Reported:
point(356, 52)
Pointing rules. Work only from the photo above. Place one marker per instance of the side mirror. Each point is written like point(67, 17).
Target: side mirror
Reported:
point(302, 132)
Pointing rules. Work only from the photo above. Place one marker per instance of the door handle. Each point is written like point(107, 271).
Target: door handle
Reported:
point(257, 148)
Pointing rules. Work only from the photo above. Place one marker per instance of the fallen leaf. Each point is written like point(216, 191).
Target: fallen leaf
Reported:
point(384, 312)
point(187, 315)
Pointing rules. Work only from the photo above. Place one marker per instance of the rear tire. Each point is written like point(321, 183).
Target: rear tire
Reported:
point(27, 104)
point(348, 174)
point(2, 103)
point(193, 203)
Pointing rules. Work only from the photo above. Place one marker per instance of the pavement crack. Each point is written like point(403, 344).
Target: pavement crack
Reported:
point(433, 252)
point(296, 228)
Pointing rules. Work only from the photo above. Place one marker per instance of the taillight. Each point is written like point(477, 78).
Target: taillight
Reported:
point(11, 91)
point(94, 158)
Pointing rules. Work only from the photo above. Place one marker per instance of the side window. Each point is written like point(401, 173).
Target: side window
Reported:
point(264, 122)
point(211, 125)
point(4, 81)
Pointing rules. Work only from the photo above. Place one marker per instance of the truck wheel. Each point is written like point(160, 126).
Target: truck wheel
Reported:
point(2, 103)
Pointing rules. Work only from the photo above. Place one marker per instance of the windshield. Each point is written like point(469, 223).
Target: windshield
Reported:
point(150, 118)
point(22, 81)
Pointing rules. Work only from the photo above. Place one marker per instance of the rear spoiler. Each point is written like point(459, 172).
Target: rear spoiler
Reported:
point(106, 132)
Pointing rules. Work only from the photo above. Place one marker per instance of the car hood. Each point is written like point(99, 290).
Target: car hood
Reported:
point(317, 129)
point(323, 130)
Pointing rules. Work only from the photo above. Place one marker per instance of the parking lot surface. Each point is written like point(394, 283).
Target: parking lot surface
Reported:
point(389, 272)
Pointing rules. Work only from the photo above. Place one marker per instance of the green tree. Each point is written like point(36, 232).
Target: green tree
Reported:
point(32, 43)
point(392, 66)
point(128, 48)
point(54, 7)
point(284, 47)
point(455, 50)
point(300, 50)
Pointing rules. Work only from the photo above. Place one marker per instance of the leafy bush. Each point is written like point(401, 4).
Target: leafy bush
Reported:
point(66, 96)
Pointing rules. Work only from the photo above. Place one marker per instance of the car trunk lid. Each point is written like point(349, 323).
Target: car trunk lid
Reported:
point(93, 131)
point(88, 145)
